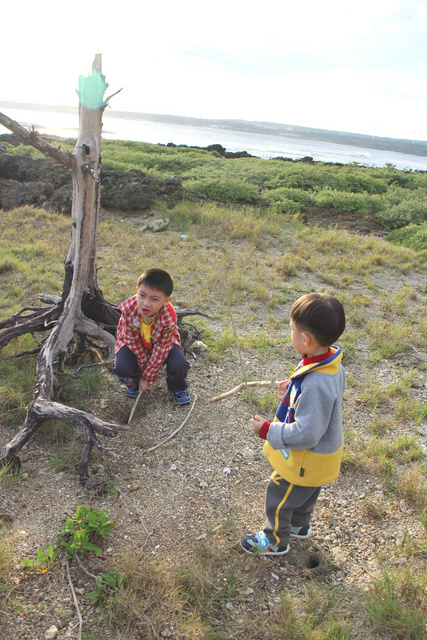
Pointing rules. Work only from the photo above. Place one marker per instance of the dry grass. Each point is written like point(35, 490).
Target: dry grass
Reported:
point(267, 262)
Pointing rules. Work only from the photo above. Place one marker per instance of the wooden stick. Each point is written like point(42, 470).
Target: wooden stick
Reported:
point(135, 404)
point(273, 384)
point(75, 601)
point(156, 446)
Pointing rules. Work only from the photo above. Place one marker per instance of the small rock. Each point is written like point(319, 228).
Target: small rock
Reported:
point(134, 485)
point(159, 224)
point(104, 403)
point(248, 453)
point(199, 347)
point(51, 633)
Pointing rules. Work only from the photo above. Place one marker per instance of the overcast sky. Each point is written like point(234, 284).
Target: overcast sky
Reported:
point(359, 67)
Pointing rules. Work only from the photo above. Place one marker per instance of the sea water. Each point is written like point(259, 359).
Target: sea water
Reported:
point(66, 125)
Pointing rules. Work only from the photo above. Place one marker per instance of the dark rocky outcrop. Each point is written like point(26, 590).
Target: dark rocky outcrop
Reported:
point(43, 183)
point(213, 148)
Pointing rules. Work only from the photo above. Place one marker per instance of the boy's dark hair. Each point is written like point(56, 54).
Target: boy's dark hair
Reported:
point(157, 279)
point(321, 315)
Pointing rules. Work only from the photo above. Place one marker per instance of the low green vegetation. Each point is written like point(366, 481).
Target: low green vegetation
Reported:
point(396, 200)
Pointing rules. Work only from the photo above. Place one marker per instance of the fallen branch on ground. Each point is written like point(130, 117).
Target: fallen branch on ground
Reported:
point(75, 601)
point(272, 384)
point(175, 432)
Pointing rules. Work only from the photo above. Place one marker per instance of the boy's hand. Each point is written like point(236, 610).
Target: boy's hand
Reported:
point(143, 386)
point(256, 423)
point(283, 386)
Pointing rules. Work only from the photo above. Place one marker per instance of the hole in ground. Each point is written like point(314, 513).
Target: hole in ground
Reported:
point(312, 562)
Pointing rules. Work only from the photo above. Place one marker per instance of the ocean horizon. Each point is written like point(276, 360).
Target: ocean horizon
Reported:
point(66, 125)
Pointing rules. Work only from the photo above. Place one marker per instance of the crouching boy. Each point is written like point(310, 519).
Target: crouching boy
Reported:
point(148, 338)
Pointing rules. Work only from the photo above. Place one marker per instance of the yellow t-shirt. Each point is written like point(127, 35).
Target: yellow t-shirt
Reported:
point(146, 324)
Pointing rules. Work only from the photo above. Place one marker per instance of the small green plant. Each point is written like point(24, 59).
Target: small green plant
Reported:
point(79, 543)
point(45, 560)
point(106, 585)
point(75, 536)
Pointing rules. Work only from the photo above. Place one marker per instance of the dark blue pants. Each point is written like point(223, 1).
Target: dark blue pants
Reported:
point(177, 366)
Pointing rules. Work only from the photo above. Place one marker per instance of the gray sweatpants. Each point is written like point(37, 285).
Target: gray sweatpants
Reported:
point(285, 505)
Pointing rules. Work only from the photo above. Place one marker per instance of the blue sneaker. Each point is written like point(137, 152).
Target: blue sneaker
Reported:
point(301, 532)
point(132, 393)
point(181, 397)
point(258, 543)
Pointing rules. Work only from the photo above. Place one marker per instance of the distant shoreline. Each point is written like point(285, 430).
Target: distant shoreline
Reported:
point(399, 145)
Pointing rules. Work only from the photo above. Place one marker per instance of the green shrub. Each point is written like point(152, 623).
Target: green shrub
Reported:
point(286, 206)
point(404, 213)
point(284, 193)
point(346, 201)
point(227, 190)
point(413, 236)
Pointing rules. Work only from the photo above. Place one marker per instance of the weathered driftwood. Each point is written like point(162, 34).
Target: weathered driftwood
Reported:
point(81, 312)
point(81, 308)
point(272, 384)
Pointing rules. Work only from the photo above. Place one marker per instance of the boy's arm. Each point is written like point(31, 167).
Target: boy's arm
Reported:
point(313, 412)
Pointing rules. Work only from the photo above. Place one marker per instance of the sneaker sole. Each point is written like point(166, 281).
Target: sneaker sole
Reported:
point(307, 535)
point(258, 552)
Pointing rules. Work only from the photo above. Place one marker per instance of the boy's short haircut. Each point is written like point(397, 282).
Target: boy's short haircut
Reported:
point(157, 279)
point(321, 315)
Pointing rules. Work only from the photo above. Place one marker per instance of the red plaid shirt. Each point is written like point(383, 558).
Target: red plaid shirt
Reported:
point(164, 334)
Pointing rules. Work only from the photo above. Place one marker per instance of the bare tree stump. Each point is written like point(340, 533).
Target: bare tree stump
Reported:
point(81, 308)
point(81, 312)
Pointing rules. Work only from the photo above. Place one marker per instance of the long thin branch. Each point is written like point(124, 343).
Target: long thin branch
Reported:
point(32, 138)
point(19, 318)
point(272, 384)
point(83, 568)
point(175, 432)
point(76, 604)
point(135, 506)
point(135, 404)
point(23, 324)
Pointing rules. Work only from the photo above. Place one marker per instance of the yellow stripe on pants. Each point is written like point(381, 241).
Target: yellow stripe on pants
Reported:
point(276, 518)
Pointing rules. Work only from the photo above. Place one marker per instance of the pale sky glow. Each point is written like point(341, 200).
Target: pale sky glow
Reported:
point(359, 68)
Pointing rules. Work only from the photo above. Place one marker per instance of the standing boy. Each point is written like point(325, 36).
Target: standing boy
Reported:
point(304, 442)
point(148, 338)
